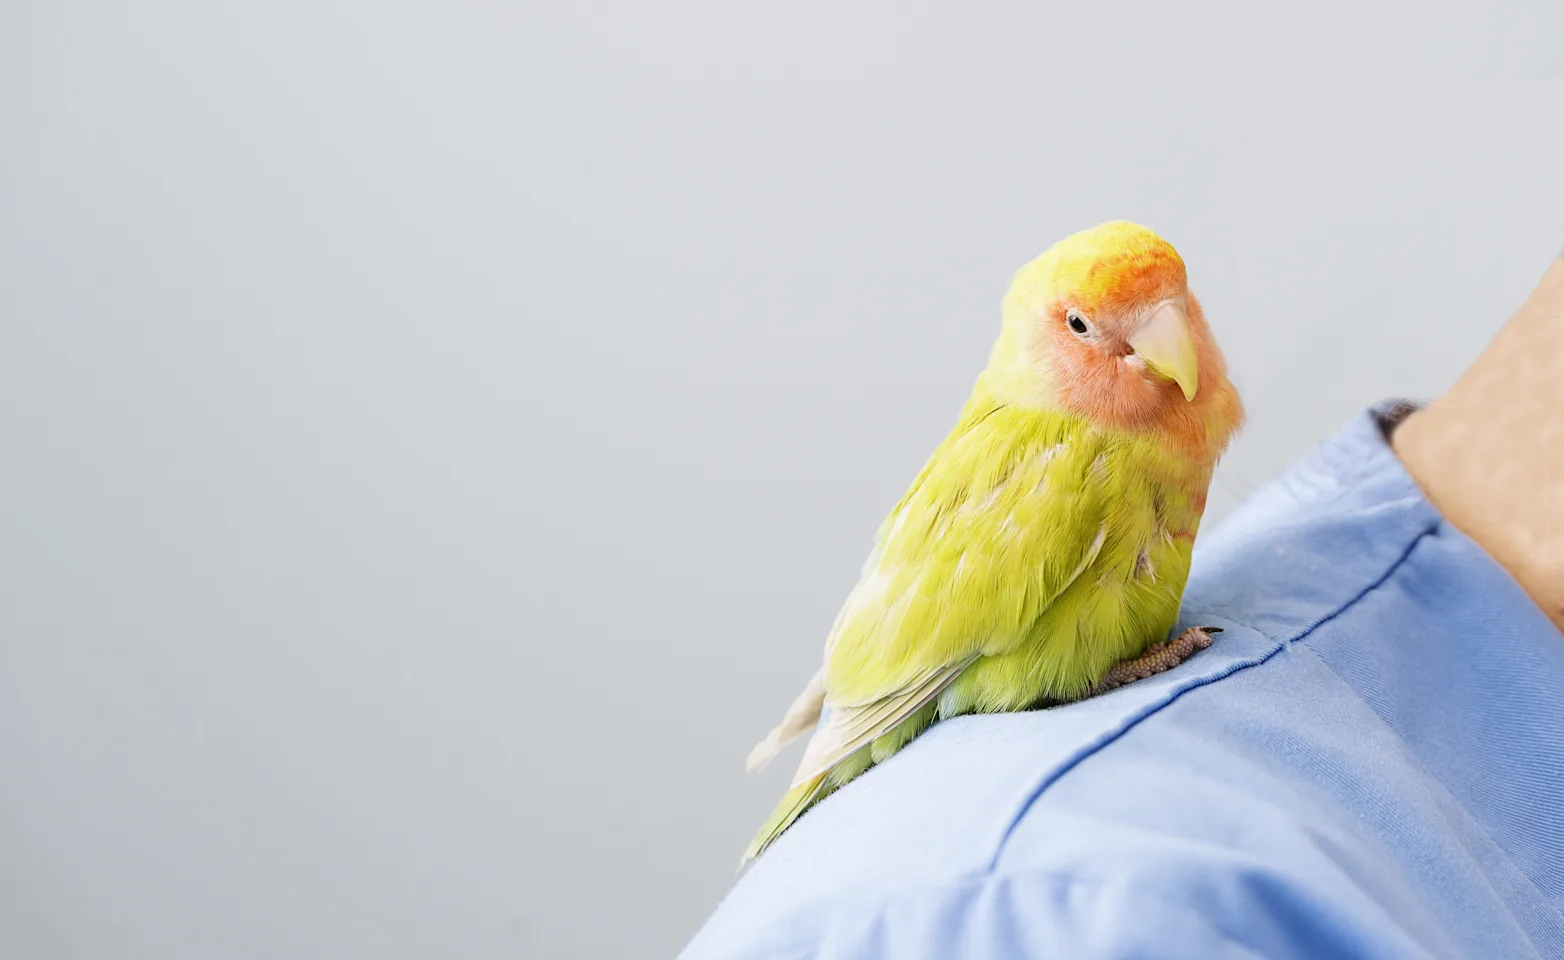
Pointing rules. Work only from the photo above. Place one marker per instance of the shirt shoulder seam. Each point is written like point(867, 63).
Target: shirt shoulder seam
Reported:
point(1152, 709)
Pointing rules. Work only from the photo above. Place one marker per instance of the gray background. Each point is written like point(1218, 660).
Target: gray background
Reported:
point(434, 439)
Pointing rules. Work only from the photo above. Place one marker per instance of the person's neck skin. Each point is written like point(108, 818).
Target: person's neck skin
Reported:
point(1489, 454)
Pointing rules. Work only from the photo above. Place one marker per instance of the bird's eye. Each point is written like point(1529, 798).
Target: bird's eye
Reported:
point(1078, 323)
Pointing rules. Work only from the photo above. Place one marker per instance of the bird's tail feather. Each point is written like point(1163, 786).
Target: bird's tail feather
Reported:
point(789, 809)
point(800, 719)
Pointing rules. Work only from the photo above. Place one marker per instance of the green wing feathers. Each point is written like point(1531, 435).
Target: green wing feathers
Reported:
point(996, 525)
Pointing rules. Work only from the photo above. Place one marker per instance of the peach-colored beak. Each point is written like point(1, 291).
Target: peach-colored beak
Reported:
point(1164, 342)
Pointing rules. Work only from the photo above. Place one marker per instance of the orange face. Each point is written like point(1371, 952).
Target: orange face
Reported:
point(1124, 340)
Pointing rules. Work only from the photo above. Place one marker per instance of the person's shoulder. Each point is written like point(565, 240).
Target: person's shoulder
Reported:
point(1207, 809)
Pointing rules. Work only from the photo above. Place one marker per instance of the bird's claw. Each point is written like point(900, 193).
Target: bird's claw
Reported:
point(1158, 658)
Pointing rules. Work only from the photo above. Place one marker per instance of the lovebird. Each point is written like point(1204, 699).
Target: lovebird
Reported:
point(1041, 553)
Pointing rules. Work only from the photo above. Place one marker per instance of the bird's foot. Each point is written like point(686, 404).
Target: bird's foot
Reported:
point(1158, 658)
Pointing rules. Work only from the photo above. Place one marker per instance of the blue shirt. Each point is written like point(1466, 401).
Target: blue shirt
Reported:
point(1369, 762)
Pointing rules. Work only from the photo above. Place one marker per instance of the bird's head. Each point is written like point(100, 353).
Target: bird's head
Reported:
point(1103, 326)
